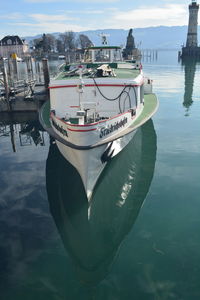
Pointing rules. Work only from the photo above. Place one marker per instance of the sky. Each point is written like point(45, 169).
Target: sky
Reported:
point(32, 17)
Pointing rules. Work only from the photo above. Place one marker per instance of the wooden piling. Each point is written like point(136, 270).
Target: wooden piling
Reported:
point(38, 71)
point(9, 69)
point(32, 69)
point(29, 66)
point(46, 72)
point(6, 84)
point(15, 68)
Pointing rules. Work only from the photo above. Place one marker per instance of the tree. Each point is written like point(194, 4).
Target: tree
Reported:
point(38, 46)
point(37, 43)
point(69, 41)
point(84, 41)
point(51, 41)
point(60, 46)
point(45, 44)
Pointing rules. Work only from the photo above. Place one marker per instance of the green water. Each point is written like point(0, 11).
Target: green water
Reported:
point(140, 238)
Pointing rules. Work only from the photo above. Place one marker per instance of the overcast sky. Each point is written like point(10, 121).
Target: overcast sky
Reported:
point(31, 17)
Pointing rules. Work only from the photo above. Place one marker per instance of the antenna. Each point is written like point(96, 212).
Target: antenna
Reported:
point(104, 38)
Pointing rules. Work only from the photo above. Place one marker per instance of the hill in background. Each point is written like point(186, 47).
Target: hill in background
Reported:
point(161, 37)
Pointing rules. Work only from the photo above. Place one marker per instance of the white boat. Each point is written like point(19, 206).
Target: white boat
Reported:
point(95, 109)
point(61, 57)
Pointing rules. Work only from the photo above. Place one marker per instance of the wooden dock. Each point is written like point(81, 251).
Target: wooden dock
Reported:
point(23, 90)
point(24, 103)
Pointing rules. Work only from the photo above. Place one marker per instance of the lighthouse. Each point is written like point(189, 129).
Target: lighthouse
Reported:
point(192, 25)
point(191, 48)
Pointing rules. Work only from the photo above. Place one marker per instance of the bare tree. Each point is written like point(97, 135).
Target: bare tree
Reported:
point(38, 46)
point(51, 41)
point(69, 41)
point(60, 46)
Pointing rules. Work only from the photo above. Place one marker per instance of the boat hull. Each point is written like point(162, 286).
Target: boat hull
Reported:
point(91, 162)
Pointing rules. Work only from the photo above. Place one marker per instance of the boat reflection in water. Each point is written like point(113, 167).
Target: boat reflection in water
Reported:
point(92, 235)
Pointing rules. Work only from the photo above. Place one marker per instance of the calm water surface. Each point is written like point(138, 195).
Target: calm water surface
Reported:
point(140, 238)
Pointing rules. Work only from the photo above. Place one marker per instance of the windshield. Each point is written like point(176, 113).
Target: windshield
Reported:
point(103, 55)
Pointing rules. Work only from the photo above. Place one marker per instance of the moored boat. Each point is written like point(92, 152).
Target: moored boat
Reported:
point(95, 109)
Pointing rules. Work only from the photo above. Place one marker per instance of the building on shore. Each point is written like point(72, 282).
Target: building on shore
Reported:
point(191, 49)
point(11, 44)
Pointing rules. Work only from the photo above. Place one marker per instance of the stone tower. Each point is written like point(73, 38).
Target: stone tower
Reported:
point(192, 26)
point(131, 52)
point(192, 49)
point(130, 45)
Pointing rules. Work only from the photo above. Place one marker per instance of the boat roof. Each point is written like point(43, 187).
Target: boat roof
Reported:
point(121, 71)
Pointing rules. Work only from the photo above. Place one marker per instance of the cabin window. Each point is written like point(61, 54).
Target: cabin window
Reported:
point(102, 55)
point(88, 56)
point(117, 55)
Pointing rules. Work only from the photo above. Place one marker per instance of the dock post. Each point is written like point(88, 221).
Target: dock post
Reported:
point(46, 72)
point(9, 69)
point(31, 67)
point(15, 68)
point(38, 71)
point(5, 82)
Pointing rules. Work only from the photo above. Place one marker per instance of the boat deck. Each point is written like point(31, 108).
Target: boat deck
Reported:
point(150, 107)
point(119, 70)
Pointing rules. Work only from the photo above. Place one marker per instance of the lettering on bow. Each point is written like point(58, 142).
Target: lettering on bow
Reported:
point(109, 129)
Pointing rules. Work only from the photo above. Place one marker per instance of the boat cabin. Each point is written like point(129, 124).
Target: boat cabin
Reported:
point(108, 54)
point(99, 88)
